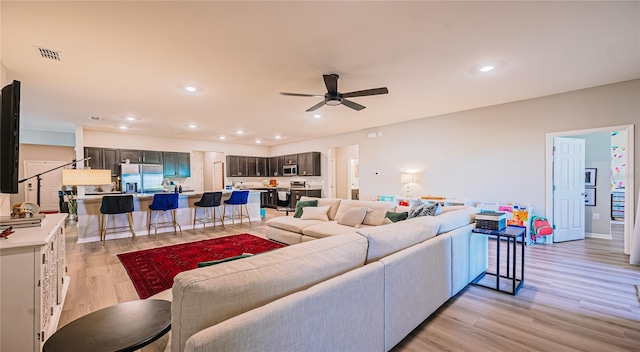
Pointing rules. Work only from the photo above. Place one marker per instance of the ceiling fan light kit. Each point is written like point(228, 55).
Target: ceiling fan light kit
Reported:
point(334, 98)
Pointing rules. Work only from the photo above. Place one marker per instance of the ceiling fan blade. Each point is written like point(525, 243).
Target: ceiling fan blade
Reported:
point(331, 81)
point(315, 107)
point(362, 93)
point(302, 95)
point(353, 105)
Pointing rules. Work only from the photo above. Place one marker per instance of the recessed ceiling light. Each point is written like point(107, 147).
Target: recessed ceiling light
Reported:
point(317, 116)
point(486, 68)
point(123, 127)
point(239, 132)
point(258, 141)
point(190, 89)
point(223, 137)
point(192, 126)
point(277, 137)
point(130, 118)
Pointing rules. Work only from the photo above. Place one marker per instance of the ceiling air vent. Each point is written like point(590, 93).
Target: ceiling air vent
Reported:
point(95, 118)
point(49, 54)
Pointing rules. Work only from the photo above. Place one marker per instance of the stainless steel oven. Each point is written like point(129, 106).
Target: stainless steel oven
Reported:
point(290, 170)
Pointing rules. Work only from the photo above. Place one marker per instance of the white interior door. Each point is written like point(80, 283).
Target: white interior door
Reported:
point(568, 189)
point(218, 176)
point(49, 186)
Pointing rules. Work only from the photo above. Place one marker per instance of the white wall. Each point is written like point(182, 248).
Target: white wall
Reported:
point(492, 154)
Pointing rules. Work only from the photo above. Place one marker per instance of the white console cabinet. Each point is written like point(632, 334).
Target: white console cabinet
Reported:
point(33, 284)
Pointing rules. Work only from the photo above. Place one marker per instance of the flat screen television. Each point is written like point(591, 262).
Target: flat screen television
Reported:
point(9, 137)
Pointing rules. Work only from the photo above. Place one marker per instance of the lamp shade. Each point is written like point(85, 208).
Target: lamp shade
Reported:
point(407, 178)
point(85, 177)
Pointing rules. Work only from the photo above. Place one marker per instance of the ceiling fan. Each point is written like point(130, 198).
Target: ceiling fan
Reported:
point(333, 97)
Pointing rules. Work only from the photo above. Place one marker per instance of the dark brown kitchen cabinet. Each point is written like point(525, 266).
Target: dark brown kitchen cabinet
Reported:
point(236, 166)
point(111, 161)
point(257, 166)
point(309, 164)
point(176, 164)
point(275, 165)
point(133, 156)
point(151, 157)
point(96, 157)
point(103, 159)
point(291, 159)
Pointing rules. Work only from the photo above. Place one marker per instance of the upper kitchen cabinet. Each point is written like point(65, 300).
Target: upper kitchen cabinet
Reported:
point(103, 158)
point(151, 157)
point(257, 166)
point(237, 166)
point(96, 157)
point(133, 156)
point(275, 165)
point(111, 160)
point(176, 164)
point(309, 164)
point(291, 159)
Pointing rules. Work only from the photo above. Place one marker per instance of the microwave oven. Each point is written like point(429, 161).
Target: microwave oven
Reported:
point(290, 170)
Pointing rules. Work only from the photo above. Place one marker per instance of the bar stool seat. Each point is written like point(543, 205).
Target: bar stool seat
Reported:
point(211, 201)
point(163, 202)
point(113, 205)
point(237, 200)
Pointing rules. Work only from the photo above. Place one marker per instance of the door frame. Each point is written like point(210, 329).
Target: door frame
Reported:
point(629, 190)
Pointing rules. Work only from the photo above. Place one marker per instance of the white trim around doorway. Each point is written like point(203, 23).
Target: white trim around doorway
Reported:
point(629, 190)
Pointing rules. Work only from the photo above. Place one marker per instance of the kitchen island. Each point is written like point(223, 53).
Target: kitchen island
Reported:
point(89, 212)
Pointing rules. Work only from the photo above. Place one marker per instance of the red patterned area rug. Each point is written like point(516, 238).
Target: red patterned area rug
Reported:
point(153, 270)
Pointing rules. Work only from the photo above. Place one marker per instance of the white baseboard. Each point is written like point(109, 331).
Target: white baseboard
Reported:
point(603, 236)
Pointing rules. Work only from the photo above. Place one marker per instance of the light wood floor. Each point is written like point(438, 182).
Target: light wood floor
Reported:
point(577, 296)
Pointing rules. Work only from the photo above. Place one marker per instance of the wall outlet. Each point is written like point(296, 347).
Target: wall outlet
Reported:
point(596, 216)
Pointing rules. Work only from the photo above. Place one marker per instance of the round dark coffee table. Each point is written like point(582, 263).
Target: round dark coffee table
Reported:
point(123, 327)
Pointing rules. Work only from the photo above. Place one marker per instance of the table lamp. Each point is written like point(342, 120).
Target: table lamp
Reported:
point(407, 178)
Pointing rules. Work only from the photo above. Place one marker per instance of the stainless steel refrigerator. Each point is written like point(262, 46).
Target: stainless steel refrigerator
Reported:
point(141, 178)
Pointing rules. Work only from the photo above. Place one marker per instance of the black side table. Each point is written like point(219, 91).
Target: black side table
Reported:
point(126, 326)
point(511, 234)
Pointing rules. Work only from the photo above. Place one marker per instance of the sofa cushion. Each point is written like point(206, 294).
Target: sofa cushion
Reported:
point(374, 217)
point(395, 217)
point(327, 229)
point(291, 224)
point(387, 239)
point(354, 216)
point(207, 296)
point(315, 213)
point(451, 220)
point(333, 204)
point(304, 203)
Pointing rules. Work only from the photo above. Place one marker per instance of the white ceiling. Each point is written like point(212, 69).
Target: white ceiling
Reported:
point(134, 59)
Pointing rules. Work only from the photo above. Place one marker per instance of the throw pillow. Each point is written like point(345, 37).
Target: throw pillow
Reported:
point(432, 209)
point(428, 210)
point(304, 203)
point(315, 213)
point(354, 216)
point(387, 221)
point(395, 217)
point(416, 208)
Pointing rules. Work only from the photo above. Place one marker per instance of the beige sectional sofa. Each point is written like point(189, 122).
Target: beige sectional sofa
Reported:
point(362, 290)
point(290, 230)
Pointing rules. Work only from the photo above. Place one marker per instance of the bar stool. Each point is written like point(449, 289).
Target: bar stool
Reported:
point(163, 202)
point(112, 205)
point(238, 199)
point(209, 200)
